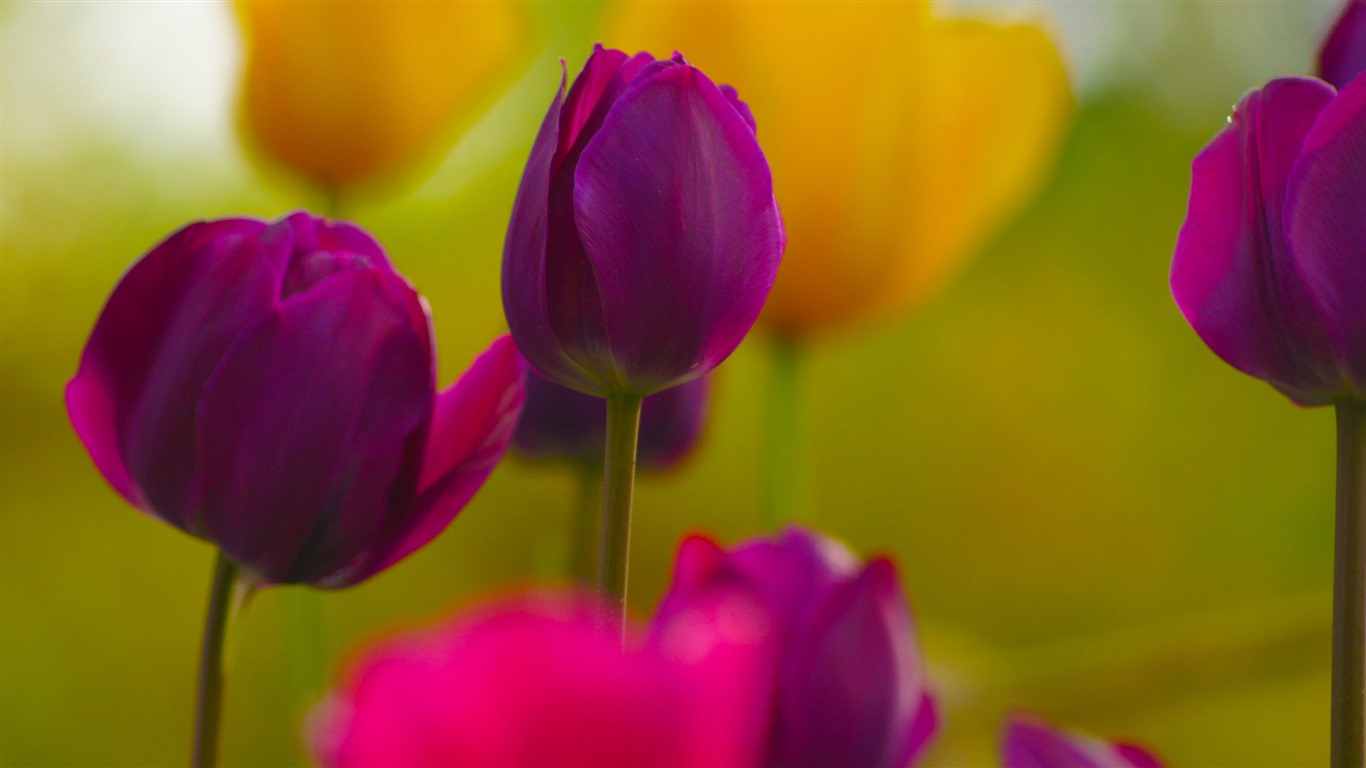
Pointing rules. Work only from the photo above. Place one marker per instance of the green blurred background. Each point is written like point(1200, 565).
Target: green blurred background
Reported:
point(1096, 519)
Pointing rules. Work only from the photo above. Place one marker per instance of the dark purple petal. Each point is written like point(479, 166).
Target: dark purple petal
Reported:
point(1326, 222)
point(1232, 274)
point(160, 336)
point(470, 431)
point(1028, 742)
point(794, 569)
point(306, 424)
point(605, 75)
point(1343, 55)
point(561, 423)
point(674, 203)
point(524, 263)
point(850, 685)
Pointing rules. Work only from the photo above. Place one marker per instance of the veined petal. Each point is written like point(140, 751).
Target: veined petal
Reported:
point(525, 302)
point(1232, 274)
point(1343, 55)
point(305, 425)
point(674, 202)
point(162, 333)
point(1326, 226)
point(838, 706)
point(470, 430)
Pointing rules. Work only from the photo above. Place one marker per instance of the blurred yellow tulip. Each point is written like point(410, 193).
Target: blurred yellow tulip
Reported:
point(346, 94)
point(899, 140)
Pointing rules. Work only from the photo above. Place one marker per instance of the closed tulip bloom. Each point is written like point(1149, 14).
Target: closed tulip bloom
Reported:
point(1028, 742)
point(531, 682)
point(560, 423)
point(889, 180)
point(844, 683)
point(344, 94)
point(1270, 264)
point(645, 236)
point(270, 387)
point(1343, 55)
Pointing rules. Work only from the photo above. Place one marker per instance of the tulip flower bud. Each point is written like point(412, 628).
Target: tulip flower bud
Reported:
point(645, 237)
point(1343, 55)
point(531, 682)
point(1028, 742)
point(843, 682)
point(271, 388)
point(1270, 264)
point(345, 94)
point(559, 423)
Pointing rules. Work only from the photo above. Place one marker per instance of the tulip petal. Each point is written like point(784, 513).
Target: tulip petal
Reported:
point(674, 202)
point(1028, 742)
point(1326, 223)
point(470, 431)
point(1343, 55)
point(524, 280)
point(303, 428)
point(838, 706)
point(605, 75)
point(167, 324)
point(321, 248)
point(1232, 274)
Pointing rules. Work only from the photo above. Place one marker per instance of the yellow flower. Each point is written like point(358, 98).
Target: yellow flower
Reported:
point(899, 141)
point(349, 93)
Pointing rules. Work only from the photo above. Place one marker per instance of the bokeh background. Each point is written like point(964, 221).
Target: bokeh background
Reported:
point(1096, 519)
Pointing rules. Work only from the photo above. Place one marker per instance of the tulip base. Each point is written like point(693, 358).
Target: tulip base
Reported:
point(1349, 591)
point(228, 592)
point(618, 485)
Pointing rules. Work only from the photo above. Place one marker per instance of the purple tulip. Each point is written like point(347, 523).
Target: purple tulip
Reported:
point(559, 423)
point(844, 684)
point(271, 388)
point(645, 237)
point(1270, 265)
point(1343, 55)
point(1029, 742)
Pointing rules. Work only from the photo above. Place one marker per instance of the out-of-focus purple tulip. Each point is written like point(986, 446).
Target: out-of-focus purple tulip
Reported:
point(843, 683)
point(272, 388)
point(645, 236)
point(559, 423)
point(536, 681)
point(1343, 55)
point(1028, 742)
point(1270, 265)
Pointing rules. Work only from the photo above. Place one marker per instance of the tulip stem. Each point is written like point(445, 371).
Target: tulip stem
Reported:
point(787, 481)
point(1349, 591)
point(582, 549)
point(227, 594)
point(618, 482)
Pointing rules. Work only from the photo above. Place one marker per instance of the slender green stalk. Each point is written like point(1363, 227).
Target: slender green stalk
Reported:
point(583, 529)
point(787, 492)
point(1349, 591)
point(618, 483)
point(226, 596)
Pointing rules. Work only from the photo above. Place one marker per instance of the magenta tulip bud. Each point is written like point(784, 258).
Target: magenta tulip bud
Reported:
point(1270, 265)
point(1028, 742)
point(843, 679)
point(271, 388)
point(1343, 55)
point(532, 682)
point(559, 423)
point(645, 237)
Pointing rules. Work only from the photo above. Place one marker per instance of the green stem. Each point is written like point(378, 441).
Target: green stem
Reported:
point(618, 482)
point(583, 527)
point(787, 481)
point(1349, 591)
point(227, 594)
